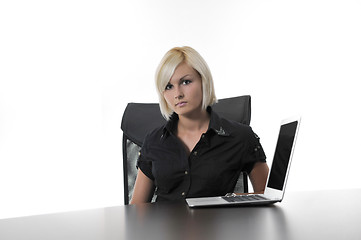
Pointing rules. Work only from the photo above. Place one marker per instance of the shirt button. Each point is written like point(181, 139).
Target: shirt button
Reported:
point(195, 153)
point(183, 193)
point(185, 172)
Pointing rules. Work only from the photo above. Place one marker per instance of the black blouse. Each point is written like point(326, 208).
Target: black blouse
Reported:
point(213, 166)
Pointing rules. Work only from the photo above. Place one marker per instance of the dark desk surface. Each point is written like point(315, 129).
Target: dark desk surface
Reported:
point(302, 215)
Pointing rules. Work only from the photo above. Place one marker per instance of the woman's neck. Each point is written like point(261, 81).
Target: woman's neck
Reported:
point(195, 123)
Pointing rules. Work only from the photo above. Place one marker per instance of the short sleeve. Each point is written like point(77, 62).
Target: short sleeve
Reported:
point(143, 162)
point(254, 152)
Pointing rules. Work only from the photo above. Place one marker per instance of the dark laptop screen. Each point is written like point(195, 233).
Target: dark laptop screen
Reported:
point(282, 155)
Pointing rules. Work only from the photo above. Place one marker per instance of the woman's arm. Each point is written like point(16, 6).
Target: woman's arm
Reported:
point(143, 189)
point(258, 176)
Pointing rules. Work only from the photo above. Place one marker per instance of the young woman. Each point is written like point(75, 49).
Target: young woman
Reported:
point(197, 153)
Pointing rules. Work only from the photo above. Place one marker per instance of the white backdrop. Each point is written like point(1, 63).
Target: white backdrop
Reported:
point(68, 69)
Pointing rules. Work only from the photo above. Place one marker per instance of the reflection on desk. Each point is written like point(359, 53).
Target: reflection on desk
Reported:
point(302, 215)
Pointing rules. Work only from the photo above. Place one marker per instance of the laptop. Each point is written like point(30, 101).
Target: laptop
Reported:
point(277, 178)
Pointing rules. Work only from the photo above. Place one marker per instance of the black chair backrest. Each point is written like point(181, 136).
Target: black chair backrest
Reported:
point(141, 118)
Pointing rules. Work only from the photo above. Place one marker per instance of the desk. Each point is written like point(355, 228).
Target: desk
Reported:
point(302, 215)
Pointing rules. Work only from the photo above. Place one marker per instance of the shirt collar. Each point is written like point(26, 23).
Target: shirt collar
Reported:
point(215, 124)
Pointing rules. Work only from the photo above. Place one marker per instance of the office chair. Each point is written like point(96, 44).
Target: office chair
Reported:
point(141, 118)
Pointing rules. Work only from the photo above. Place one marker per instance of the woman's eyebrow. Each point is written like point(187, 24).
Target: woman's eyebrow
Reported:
point(182, 78)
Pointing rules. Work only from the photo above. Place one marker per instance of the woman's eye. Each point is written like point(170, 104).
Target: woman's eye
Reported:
point(169, 86)
point(186, 82)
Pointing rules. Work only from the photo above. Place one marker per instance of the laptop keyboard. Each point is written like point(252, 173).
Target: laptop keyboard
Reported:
point(242, 198)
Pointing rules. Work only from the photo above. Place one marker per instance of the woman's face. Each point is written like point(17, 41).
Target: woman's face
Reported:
point(183, 92)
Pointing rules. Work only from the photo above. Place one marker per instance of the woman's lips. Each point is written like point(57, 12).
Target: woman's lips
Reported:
point(181, 104)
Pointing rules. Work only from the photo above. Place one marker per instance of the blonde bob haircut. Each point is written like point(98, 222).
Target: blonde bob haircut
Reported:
point(166, 69)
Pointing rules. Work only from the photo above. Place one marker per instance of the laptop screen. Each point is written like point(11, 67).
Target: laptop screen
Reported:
point(282, 155)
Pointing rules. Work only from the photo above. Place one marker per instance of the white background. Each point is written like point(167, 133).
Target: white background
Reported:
point(68, 69)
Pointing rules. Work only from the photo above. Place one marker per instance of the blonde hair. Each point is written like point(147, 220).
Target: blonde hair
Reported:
point(166, 69)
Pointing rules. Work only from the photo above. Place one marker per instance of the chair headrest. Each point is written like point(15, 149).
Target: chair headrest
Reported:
point(141, 118)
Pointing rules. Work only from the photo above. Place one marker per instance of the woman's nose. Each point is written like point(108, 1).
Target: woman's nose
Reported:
point(178, 93)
